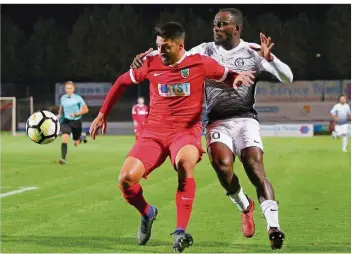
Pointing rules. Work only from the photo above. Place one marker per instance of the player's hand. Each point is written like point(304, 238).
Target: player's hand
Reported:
point(266, 45)
point(73, 115)
point(98, 123)
point(138, 60)
point(135, 124)
point(244, 78)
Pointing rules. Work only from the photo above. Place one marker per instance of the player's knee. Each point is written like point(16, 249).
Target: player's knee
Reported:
point(126, 180)
point(185, 167)
point(222, 165)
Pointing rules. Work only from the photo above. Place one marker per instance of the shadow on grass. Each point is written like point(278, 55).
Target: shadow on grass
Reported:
point(96, 243)
point(128, 244)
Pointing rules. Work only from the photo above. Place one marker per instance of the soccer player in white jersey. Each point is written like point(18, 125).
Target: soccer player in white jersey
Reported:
point(341, 114)
point(233, 128)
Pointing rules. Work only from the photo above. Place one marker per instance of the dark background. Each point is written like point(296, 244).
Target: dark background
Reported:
point(45, 44)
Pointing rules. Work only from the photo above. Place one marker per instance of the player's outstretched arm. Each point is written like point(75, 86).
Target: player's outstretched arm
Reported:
point(219, 73)
point(271, 64)
point(113, 95)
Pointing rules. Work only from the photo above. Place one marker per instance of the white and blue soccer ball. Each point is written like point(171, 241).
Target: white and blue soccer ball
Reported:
point(42, 127)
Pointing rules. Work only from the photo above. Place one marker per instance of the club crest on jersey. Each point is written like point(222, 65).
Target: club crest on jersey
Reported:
point(185, 73)
point(239, 62)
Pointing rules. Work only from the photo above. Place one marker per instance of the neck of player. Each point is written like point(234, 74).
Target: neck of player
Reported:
point(179, 57)
point(232, 44)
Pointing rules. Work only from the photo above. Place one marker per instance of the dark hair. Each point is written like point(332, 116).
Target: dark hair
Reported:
point(342, 95)
point(171, 30)
point(236, 14)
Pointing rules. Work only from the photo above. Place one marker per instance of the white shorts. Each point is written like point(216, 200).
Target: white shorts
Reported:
point(342, 129)
point(236, 133)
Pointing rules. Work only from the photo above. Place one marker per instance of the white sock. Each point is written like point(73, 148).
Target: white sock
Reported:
point(333, 134)
point(344, 142)
point(240, 200)
point(271, 213)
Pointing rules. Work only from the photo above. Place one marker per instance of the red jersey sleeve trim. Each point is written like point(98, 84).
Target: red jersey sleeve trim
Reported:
point(132, 77)
point(226, 72)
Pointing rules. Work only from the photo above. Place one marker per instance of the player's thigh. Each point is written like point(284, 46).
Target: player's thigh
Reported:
point(221, 157)
point(185, 151)
point(218, 135)
point(248, 136)
point(76, 127)
point(150, 152)
point(65, 131)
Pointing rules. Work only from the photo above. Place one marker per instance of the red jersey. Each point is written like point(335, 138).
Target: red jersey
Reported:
point(139, 113)
point(176, 92)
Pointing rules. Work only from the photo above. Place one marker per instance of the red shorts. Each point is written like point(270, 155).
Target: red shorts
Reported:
point(153, 147)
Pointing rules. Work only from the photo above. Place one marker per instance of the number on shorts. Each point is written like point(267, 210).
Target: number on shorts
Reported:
point(213, 135)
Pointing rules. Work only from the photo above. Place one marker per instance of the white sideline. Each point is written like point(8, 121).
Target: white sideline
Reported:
point(22, 189)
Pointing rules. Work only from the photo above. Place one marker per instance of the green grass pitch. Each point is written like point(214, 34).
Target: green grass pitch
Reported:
point(78, 208)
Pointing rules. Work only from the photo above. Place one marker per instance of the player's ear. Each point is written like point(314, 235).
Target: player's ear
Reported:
point(181, 44)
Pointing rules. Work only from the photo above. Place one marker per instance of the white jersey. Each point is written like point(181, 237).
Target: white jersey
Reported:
point(341, 111)
point(225, 102)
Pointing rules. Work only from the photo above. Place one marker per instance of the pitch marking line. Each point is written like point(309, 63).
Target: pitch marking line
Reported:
point(22, 189)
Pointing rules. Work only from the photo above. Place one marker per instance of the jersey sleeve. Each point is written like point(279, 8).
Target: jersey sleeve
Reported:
point(333, 110)
point(200, 49)
point(81, 102)
point(134, 113)
point(140, 74)
point(277, 68)
point(213, 70)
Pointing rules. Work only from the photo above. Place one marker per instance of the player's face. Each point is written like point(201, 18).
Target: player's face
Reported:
point(343, 99)
point(224, 28)
point(169, 49)
point(69, 89)
point(140, 101)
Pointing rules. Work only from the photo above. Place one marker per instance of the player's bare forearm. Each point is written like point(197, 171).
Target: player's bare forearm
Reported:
point(335, 118)
point(60, 112)
point(83, 111)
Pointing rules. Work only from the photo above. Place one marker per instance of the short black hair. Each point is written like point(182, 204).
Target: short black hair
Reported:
point(171, 30)
point(236, 14)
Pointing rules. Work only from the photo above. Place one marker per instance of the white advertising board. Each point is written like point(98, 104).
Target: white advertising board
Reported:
point(287, 130)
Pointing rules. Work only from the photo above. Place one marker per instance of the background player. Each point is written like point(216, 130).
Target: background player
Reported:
point(72, 108)
point(233, 128)
point(172, 128)
point(139, 114)
point(341, 114)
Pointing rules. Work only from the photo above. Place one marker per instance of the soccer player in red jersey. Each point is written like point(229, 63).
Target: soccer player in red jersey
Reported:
point(139, 114)
point(172, 129)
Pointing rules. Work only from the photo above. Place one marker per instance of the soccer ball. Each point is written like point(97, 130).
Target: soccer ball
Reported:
point(42, 127)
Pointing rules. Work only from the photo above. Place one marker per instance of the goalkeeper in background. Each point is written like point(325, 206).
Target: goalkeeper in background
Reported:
point(72, 108)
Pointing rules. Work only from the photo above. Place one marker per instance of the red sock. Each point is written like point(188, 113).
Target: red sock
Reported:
point(184, 201)
point(134, 196)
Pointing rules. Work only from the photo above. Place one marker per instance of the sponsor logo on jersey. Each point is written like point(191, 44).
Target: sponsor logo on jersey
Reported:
point(185, 73)
point(172, 90)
